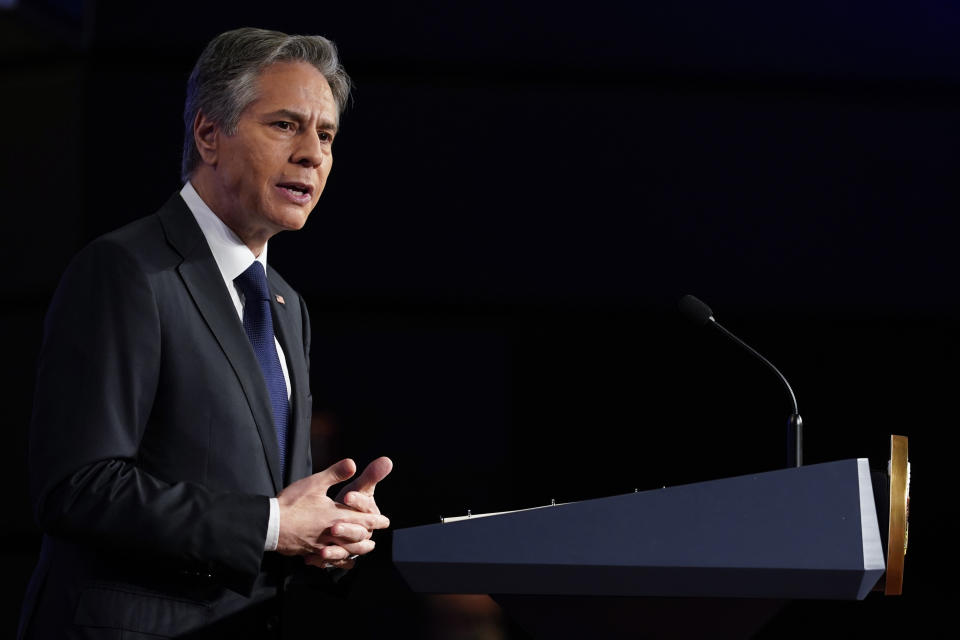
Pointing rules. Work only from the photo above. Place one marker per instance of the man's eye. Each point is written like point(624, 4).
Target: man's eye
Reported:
point(324, 136)
point(284, 125)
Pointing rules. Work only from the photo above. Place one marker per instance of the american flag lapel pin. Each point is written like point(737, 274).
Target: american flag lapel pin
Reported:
point(280, 299)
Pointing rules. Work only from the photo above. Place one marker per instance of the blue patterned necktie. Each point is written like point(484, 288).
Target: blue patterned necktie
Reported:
point(258, 323)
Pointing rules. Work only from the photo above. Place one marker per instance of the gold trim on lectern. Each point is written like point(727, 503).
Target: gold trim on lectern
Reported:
point(899, 515)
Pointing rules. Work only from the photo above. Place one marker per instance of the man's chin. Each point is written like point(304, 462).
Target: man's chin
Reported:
point(291, 220)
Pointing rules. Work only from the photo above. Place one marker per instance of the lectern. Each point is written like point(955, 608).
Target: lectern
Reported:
point(753, 541)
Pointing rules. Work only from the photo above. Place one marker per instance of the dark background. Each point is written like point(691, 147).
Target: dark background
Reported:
point(521, 193)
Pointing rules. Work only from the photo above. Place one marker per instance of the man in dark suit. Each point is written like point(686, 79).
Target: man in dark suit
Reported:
point(170, 459)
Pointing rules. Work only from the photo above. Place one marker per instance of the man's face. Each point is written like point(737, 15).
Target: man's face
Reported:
point(270, 173)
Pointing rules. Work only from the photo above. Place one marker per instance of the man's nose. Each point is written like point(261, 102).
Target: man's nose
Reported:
point(309, 151)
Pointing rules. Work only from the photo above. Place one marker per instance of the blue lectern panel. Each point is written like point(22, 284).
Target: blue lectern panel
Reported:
point(806, 532)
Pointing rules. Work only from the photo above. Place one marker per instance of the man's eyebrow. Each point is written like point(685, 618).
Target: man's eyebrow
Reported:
point(296, 116)
point(300, 118)
point(328, 125)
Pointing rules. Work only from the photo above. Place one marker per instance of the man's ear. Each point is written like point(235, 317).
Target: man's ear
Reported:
point(206, 135)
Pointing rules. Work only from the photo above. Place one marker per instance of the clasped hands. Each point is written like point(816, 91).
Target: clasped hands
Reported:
point(332, 531)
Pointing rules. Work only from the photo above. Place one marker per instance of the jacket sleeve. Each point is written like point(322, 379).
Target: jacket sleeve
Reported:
point(96, 383)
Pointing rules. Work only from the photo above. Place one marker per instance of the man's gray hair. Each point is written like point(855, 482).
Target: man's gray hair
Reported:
point(224, 80)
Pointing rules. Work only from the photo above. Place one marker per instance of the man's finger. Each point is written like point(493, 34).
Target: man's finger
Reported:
point(333, 552)
point(369, 521)
point(351, 548)
point(367, 481)
point(372, 474)
point(361, 502)
point(337, 472)
point(360, 548)
point(345, 550)
point(346, 532)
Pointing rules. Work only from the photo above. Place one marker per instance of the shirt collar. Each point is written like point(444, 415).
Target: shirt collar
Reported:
point(233, 257)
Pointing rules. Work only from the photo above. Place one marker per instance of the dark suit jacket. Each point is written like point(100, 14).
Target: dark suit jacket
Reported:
point(152, 448)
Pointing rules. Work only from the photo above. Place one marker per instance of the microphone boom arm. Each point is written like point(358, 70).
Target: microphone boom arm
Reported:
point(795, 422)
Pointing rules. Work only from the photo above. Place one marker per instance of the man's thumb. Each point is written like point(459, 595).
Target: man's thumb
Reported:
point(338, 472)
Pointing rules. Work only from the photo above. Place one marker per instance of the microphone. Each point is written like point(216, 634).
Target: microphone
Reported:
point(699, 313)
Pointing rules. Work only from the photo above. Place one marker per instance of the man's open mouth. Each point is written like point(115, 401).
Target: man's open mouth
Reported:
point(296, 188)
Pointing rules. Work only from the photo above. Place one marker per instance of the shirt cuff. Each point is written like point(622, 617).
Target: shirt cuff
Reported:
point(273, 526)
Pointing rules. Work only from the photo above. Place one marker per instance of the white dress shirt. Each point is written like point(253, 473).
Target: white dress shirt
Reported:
point(233, 257)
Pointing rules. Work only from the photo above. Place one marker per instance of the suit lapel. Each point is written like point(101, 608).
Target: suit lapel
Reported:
point(286, 324)
point(205, 284)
